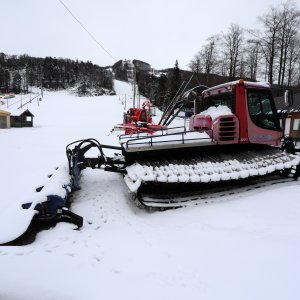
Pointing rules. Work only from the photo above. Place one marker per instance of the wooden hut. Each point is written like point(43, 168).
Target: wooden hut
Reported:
point(20, 117)
point(4, 119)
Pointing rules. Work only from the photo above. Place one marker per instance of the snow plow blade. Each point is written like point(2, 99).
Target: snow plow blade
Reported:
point(47, 206)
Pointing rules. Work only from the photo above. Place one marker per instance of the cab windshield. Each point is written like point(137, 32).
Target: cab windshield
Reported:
point(220, 99)
point(262, 110)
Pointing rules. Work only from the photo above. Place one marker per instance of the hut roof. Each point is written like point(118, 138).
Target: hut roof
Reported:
point(14, 111)
point(5, 113)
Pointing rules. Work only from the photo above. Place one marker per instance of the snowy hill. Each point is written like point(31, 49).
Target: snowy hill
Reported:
point(240, 247)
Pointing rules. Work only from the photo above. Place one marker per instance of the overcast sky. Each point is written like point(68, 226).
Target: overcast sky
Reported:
point(155, 31)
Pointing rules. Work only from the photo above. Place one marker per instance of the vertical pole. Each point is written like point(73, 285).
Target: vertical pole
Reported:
point(134, 79)
point(41, 81)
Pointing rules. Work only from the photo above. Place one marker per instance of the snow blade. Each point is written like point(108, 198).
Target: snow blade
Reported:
point(47, 206)
point(14, 223)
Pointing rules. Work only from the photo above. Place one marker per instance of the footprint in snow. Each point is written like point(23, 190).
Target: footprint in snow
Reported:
point(98, 259)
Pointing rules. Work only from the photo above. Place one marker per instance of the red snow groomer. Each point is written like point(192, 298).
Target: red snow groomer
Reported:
point(234, 138)
point(139, 120)
point(143, 114)
point(233, 142)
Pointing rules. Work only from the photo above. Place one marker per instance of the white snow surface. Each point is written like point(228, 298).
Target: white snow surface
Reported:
point(217, 111)
point(238, 247)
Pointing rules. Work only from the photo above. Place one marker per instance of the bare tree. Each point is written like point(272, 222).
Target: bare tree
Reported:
point(289, 25)
point(196, 63)
point(293, 60)
point(268, 40)
point(209, 53)
point(233, 40)
point(206, 60)
point(252, 57)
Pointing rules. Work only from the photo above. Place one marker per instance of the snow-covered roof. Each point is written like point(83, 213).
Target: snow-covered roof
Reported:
point(14, 111)
point(4, 112)
point(246, 83)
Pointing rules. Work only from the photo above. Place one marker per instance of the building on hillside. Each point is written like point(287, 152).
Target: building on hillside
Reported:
point(4, 119)
point(141, 65)
point(291, 115)
point(20, 117)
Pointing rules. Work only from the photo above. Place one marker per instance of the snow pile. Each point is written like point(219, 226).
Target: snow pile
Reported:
point(207, 171)
point(216, 112)
point(14, 222)
point(58, 184)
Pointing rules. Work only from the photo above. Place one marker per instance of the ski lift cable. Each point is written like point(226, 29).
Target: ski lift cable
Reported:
point(70, 12)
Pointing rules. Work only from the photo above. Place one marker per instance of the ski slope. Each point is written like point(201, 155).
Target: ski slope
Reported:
point(241, 247)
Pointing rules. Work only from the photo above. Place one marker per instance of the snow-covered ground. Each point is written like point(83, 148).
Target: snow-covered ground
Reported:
point(244, 247)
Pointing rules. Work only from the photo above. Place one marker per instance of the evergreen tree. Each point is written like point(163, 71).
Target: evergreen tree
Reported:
point(6, 84)
point(17, 83)
point(161, 90)
point(175, 80)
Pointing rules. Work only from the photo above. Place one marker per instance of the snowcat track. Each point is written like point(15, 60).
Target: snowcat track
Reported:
point(210, 193)
point(202, 174)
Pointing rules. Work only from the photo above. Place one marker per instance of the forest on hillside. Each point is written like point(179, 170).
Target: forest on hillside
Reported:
point(18, 73)
point(271, 54)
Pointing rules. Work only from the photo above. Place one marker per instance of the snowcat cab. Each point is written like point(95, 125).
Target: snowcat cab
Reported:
point(252, 114)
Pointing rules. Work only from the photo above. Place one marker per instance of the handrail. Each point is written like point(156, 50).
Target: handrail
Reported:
point(121, 136)
point(183, 140)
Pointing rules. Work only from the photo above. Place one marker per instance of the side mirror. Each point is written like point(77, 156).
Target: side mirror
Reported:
point(288, 98)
